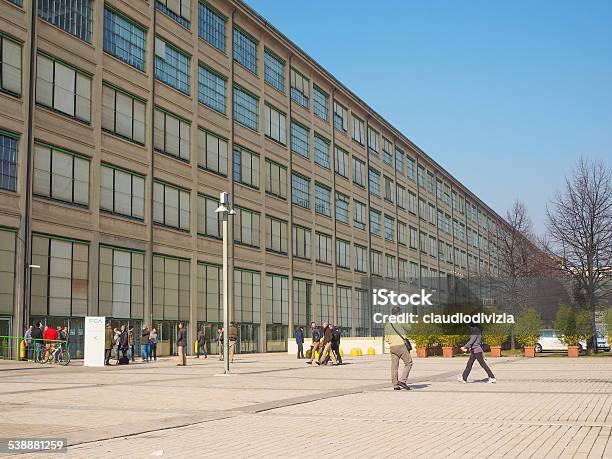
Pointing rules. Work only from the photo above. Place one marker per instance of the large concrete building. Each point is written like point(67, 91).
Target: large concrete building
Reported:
point(120, 124)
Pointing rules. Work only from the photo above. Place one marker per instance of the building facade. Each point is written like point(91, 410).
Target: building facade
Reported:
point(120, 124)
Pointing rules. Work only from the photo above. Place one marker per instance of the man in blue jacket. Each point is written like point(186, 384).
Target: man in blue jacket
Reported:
point(299, 340)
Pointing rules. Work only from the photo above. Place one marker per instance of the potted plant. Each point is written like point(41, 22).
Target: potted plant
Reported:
point(572, 326)
point(495, 335)
point(527, 330)
point(448, 343)
point(422, 336)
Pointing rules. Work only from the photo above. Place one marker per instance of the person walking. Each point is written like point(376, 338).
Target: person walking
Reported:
point(233, 336)
point(152, 347)
point(108, 343)
point(27, 337)
point(336, 334)
point(316, 341)
point(144, 344)
point(220, 339)
point(395, 336)
point(327, 343)
point(299, 340)
point(180, 343)
point(474, 347)
point(201, 344)
point(131, 343)
point(37, 336)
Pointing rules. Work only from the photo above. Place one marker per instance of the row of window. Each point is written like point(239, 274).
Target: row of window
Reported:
point(60, 286)
point(124, 35)
point(64, 176)
point(66, 90)
point(69, 91)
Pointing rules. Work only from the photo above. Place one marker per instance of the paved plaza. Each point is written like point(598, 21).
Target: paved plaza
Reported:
point(276, 406)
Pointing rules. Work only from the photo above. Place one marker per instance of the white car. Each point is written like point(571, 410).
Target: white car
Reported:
point(550, 341)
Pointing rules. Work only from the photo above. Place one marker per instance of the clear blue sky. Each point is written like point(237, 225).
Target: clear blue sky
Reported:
point(505, 95)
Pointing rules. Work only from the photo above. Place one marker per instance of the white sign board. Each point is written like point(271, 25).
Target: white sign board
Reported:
point(94, 341)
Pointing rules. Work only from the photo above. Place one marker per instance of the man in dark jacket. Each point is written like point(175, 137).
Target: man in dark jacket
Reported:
point(144, 344)
point(124, 344)
point(316, 341)
point(327, 343)
point(108, 343)
point(37, 336)
point(201, 346)
point(233, 336)
point(336, 334)
point(181, 340)
point(299, 340)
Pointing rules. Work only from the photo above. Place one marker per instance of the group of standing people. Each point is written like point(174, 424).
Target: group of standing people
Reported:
point(37, 338)
point(121, 342)
point(148, 344)
point(325, 341)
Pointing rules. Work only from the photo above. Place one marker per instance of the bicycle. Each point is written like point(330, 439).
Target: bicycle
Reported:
point(54, 354)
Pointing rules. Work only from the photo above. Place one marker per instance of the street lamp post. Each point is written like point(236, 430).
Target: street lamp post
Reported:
point(225, 210)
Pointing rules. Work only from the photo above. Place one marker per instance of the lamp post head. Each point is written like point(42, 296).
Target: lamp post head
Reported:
point(221, 209)
point(225, 205)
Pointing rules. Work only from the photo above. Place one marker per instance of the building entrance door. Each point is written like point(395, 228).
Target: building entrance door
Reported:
point(167, 333)
point(248, 338)
point(6, 342)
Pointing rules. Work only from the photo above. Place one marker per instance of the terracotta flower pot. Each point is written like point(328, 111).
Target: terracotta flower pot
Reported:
point(448, 351)
point(573, 351)
point(529, 351)
point(495, 351)
point(422, 352)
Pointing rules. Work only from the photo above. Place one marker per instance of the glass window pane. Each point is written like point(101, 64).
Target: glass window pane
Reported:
point(61, 184)
point(64, 89)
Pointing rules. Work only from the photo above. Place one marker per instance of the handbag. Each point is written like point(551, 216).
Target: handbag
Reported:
point(407, 342)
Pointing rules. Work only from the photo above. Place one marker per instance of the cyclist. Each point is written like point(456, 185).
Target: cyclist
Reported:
point(50, 337)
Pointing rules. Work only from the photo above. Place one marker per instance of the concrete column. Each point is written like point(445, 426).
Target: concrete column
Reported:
point(94, 166)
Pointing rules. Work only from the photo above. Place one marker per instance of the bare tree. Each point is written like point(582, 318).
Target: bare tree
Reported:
point(521, 260)
point(579, 224)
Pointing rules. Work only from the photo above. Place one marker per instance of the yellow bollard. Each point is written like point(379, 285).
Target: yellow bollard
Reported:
point(195, 347)
point(356, 352)
point(22, 350)
point(371, 351)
